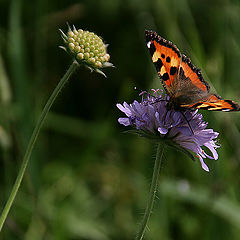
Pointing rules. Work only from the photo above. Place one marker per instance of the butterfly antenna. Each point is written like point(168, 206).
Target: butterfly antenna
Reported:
point(188, 122)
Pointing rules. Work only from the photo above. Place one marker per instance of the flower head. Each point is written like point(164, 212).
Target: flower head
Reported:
point(185, 130)
point(87, 48)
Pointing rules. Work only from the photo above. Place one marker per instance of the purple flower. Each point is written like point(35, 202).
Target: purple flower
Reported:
point(185, 130)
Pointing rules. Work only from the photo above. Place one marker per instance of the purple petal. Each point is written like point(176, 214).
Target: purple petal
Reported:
point(176, 118)
point(124, 109)
point(124, 121)
point(185, 130)
point(212, 149)
point(163, 130)
point(204, 165)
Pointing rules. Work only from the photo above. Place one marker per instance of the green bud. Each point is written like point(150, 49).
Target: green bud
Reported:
point(77, 49)
point(82, 41)
point(80, 56)
point(86, 55)
point(87, 48)
point(87, 45)
point(70, 34)
point(107, 57)
point(92, 60)
point(98, 64)
point(71, 46)
point(71, 40)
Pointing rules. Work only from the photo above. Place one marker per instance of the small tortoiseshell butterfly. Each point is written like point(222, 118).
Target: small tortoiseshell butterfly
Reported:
point(182, 81)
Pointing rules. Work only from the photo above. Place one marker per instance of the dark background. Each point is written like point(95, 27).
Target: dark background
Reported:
point(87, 179)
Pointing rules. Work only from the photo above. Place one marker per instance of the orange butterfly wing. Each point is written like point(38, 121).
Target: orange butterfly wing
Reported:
point(166, 58)
point(215, 103)
point(193, 75)
point(181, 79)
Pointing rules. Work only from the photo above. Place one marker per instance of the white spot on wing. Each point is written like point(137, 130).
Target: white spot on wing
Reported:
point(226, 110)
point(149, 44)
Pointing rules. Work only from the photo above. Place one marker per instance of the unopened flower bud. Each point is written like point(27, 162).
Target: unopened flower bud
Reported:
point(87, 48)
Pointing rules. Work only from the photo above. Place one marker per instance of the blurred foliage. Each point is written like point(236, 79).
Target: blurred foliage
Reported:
point(87, 179)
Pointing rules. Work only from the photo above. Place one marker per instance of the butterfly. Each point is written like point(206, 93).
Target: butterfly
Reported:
point(182, 81)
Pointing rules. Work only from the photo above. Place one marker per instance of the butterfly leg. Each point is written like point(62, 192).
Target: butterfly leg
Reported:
point(188, 122)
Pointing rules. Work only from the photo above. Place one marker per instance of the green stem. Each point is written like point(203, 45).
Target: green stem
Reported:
point(33, 139)
point(153, 190)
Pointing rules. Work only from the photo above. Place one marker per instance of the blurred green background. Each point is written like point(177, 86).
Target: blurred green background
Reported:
point(87, 179)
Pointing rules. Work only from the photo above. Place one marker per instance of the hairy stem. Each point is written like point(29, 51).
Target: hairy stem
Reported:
point(153, 190)
point(33, 139)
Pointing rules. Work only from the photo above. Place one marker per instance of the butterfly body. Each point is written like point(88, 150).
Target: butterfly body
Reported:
point(182, 81)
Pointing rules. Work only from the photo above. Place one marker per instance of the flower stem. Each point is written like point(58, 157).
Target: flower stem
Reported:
point(153, 190)
point(33, 139)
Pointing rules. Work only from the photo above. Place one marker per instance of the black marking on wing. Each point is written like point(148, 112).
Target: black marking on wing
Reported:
point(152, 49)
point(173, 70)
point(158, 64)
point(165, 77)
point(234, 105)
